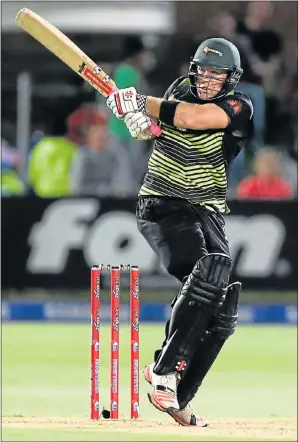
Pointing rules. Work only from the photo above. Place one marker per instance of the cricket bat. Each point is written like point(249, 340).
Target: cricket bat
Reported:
point(68, 52)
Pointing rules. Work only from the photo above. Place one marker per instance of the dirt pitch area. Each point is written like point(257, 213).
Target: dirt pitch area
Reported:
point(272, 428)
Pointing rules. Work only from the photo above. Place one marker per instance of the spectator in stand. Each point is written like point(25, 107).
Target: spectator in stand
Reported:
point(267, 182)
point(265, 43)
point(49, 165)
point(264, 46)
point(61, 166)
point(96, 168)
point(290, 100)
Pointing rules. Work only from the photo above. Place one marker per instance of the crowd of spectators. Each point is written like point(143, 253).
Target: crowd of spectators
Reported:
point(97, 156)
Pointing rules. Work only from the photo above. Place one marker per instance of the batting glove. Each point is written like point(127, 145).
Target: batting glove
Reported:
point(126, 100)
point(138, 125)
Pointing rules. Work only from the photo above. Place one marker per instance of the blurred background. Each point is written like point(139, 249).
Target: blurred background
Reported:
point(70, 172)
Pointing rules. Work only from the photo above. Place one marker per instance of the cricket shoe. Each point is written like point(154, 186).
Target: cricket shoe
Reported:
point(164, 393)
point(185, 417)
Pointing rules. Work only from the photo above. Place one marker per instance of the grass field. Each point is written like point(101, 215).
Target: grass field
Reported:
point(250, 394)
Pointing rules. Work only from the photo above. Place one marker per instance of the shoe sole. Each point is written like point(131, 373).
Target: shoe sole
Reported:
point(157, 405)
point(180, 422)
point(172, 412)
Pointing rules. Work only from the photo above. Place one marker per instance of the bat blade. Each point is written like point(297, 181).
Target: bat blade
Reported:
point(68, 52)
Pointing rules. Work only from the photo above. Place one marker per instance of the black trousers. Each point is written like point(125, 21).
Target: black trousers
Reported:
point(180, 232)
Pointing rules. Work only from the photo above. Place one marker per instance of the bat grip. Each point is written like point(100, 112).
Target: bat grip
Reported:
point(154, 128)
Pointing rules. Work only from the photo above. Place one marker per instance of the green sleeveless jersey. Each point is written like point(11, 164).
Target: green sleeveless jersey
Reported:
point(192, 164)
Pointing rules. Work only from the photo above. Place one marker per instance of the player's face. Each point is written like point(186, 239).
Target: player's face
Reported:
point(209, 82)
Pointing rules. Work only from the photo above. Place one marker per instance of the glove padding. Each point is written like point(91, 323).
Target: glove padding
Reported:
point(126, 100)
point(138, 125)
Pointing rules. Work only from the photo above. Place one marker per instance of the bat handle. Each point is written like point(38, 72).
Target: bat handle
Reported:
point(154, 128)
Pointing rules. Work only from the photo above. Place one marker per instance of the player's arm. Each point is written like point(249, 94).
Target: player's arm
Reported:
point(187, 115)
point(229, 112)
point(233, 112)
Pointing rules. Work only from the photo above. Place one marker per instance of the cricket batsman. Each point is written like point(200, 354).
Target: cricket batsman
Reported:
point(180, 209)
